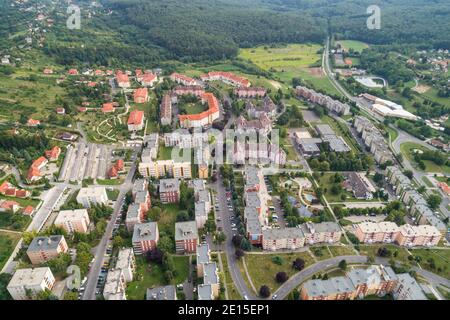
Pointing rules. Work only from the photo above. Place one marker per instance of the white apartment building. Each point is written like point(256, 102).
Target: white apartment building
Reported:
point(127, 263)
point(92, 195)
point(73, 220)
point(30, 280)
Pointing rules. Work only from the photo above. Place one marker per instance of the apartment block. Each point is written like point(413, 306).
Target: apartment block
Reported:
point(203, 257)
point(127, 263)
point(92, 196)
point(135, 215)
point(115, 285)
point(43, 249)
point(186, 237)
point(169, 190)
point(31, 280)
point(145, 237)
point(73, 220)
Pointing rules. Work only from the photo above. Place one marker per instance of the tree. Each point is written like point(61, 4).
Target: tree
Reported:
point(237, 239)
point(343, 265)
point(4, 280)
point(383, 252)
point(70, 295)
point(220, 237)
point(155, 214)
point(118, 242)
point(264, 291)
point(156, 255)
point(246, 245)
point(281, 277)
point(408, 173)
point(434, 201)
point(298, 264)
point(239, 253)
point(165, 244)
point(210, 226)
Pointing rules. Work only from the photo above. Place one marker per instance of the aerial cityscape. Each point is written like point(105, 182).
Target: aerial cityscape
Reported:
point(224, 150)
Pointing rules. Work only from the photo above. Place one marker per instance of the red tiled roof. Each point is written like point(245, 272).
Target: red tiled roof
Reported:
point(4, 186)
point(33, 172)
point(10, 192)
point(136, 117)
point(73, 71)
point(32, 122)
point(53, 153)
point(8, 204)
point(119, 165)
point(122, 77)
point(177, 76)
point(227, 75)
point(108, 107)
point(148, 77)
point(92, 84)
point(28, 210)
point(213, 107)
point(21, 193)
point(444, 187)
point(141, 93)
point(38, 162)
point(112, 173)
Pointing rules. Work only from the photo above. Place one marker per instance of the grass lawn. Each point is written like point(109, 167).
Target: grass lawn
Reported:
point(21, 201)
point(321, 253)
point(110, 182)
point(324, 183)
point(407, 149)
point(168, 217)
point(194, 108)
point(441, 260)
point(392, 133)
point(112, 194)
point(164, 153)
point(290, 61)
point(427, 182)
point(8, 242)
point(262, 269)
point(152, 275)
point(401, 253)
point(357, 46)
point(341, 251)
point(16, 222)
point(233, 294)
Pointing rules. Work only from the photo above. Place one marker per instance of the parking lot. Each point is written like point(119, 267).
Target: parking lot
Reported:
point(84, 161)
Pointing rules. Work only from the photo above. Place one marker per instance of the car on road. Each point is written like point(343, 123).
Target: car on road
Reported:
point(245, 297)
point(274, 297)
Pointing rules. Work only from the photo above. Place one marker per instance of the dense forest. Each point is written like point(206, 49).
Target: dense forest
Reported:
point(152, 31)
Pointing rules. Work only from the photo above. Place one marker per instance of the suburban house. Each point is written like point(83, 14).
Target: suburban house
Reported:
point(141, 95)
point(108, 107)
point(182, 79)
point(53, 154)
point(136, 120)
point(122, 79)
point(148, 79)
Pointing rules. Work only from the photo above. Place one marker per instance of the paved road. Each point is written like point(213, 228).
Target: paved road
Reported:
point(300, 277)
point(94, 272)
point(224, 214)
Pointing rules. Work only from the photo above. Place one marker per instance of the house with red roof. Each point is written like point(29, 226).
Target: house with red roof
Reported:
point(53, 154)
point(39, 163)
point(73, 72)
point(136, 120)
point(33, 123)
point(9, 206)
point(108, 107)
point(193, 90)
point(7, 189)
point(34, 174)
point(123, 81)
point(149, 79)
point(5, 186)
point(92, 84)
point(444, 187)
point(60, 110)
point(48, 71)
point(99, 73)
point(203, 119)
point(82, 109)
point(119, 165)
point(139, 74)
point(112, 173)
point(141, 95)
point(250, 92)
point(28, 211)
point(226, 77)
point(182, 79)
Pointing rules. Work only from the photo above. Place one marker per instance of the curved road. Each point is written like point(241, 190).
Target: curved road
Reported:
point(300, 277)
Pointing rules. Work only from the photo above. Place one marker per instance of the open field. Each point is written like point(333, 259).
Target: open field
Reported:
point(407, 149)
point(398, 253)
point(291, 61)
point(152, 275)
point(436, 261)
point(357, 46)
point(337, 251)
point(8, 241)
point(262, 269)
